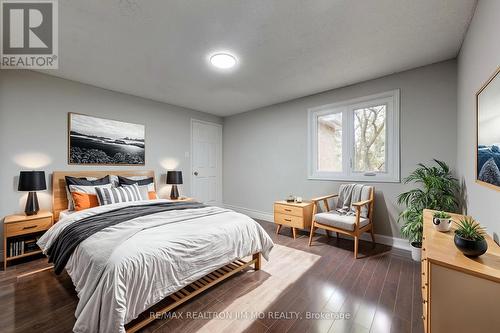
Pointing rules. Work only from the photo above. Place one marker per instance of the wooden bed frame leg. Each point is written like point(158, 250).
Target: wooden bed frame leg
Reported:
point(195, 288)
point(35, 272)
point(257, 259)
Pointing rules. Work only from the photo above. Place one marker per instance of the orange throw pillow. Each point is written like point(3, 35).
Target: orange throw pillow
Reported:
point(152, 195)
point(84, 200)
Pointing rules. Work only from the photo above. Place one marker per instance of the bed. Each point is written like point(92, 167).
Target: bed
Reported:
point(151, 263)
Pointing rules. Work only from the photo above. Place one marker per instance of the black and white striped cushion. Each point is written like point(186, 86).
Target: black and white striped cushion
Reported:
point(108, 196)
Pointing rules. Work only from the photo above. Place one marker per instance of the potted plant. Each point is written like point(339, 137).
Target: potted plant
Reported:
point(437, 190)
point(442, 221)
point(469, 238)
point(412, 229)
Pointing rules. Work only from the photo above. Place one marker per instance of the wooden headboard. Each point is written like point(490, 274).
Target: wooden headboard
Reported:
point(59, 198)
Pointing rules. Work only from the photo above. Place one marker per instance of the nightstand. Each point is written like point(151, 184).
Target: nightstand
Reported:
point(20, 233)
point(293, 214)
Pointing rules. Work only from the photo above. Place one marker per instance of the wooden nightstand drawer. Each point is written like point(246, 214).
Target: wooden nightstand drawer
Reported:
point(289, 220)
point(21, 228)
point(288, 210)
point(296, 215)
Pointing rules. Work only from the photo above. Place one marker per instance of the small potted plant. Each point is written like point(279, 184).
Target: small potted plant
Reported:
point(469, 238)
point(442, 221)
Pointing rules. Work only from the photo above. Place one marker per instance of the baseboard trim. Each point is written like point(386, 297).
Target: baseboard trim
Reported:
point(395, 242)
point(256, 214)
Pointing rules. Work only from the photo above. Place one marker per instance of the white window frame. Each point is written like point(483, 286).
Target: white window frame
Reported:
point(392, 173)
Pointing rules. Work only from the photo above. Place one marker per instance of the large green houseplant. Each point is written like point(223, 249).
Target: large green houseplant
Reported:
point(437, 189)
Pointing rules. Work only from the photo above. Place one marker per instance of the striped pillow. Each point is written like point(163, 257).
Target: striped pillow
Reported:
point(108, 196)
point(141, 181)
point(143, 190)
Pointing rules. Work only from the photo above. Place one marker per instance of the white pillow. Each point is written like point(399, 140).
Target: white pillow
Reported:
point(143, 190)
point(86, 190)
point(151, 187)
point(90, 189)
point(138, 177)
point(71, 202)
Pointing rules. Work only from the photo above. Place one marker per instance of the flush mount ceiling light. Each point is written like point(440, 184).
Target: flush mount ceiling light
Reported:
point(223, 60)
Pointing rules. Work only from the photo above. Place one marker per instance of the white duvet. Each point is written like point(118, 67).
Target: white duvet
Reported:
point(123, 270)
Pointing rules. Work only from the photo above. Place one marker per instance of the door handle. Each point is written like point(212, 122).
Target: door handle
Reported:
point(196, 173)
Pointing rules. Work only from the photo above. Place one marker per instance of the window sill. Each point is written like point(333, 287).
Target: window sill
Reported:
point(368, 179)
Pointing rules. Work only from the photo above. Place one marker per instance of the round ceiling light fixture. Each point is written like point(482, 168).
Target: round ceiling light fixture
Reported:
point(223, 60)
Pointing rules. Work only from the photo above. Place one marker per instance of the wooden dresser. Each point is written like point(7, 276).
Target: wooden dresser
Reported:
point(459, 294)
point(294, 215)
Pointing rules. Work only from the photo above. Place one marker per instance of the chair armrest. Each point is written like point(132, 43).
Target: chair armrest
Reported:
point(361, 203)
point(358, 206)
point(324, 197)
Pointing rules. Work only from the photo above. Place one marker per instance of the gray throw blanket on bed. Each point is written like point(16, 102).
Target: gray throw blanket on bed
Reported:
point(67, 241)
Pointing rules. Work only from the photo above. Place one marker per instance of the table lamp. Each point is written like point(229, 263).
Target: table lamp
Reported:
point(174, 178)
point(32, 181)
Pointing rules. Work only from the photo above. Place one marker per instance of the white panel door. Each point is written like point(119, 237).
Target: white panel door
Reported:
point(206, 162)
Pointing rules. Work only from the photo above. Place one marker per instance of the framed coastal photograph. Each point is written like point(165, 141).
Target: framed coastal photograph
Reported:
point(98, 141)
point(488, 133)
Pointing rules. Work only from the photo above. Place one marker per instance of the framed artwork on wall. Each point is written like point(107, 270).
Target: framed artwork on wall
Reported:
point(99, 141)
point(488, 133)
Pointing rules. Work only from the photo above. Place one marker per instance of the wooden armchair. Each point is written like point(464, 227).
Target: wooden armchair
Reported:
point(359, 220)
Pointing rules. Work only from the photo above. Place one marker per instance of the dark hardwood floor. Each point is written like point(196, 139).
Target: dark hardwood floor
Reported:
point(377, 293)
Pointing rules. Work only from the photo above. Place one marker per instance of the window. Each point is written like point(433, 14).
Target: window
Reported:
point(356, 140)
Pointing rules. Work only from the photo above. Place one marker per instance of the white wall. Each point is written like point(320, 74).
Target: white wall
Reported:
point(478, 59)
point(33, 130)
point(265, 150)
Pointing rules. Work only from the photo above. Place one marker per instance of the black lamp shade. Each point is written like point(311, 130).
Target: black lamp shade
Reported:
point(32, 181)
point(174, 177)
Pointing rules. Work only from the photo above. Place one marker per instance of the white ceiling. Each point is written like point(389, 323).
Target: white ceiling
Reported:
point(286, 49)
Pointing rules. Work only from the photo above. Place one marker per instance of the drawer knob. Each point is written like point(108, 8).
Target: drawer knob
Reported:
point(288, 220)
point(423, 317)
point(29, 227)
point(288, 210)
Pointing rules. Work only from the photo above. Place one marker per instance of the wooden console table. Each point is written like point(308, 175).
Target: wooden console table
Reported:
point(459, 294)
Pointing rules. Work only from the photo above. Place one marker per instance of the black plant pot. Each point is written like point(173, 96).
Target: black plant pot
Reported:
point(469, 247)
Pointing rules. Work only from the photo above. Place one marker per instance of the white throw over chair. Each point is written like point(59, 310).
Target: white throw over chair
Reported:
point(352, 214)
